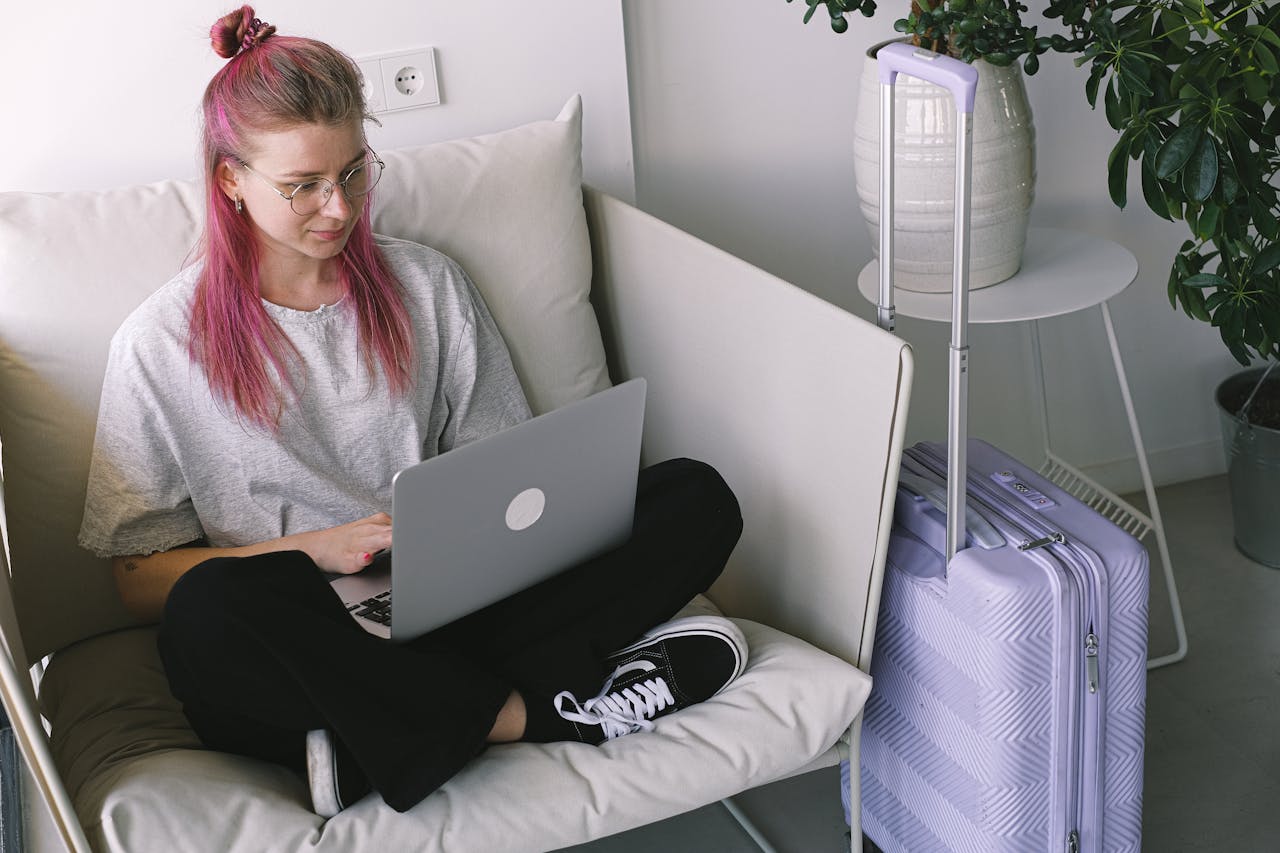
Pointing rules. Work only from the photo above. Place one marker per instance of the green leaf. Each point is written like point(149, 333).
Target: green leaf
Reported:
point(1247, 164)
point(1237, 349)
point(1266, 59)
point(1222, 316)
point(1252, 330)
point(1255, 85)
point(1118, 171)
point(1091, 85)
point(1267, 260)
point(1177, 149)
point(1174, 29)
point(1264, 33)
point(1201, 172)
point(1134, 74)
point(1153, 193)
point(1111, 102)
point(1270, 320)
point(1230, 185)
point(1206, 279)
point(1263, 219)
point(1235, 323)
point(1195, 305)
point(1208, 221)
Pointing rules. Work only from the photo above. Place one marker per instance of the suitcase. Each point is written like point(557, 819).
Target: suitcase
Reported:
point(1009, 668)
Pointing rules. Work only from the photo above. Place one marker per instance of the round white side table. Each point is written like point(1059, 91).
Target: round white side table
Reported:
point(1062, 272)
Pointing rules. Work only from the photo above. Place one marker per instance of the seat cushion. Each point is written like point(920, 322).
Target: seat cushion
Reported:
point(141, 782)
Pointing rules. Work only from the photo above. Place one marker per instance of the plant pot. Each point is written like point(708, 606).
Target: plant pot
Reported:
point(1003, 175)
point(1253, 464)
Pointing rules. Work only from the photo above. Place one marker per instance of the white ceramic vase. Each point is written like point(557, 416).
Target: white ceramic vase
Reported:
point(1003, 175)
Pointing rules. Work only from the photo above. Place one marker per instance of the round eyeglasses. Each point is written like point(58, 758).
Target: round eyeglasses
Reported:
point(308, 198)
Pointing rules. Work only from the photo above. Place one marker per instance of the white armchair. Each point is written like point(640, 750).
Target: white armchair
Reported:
point(800, 405)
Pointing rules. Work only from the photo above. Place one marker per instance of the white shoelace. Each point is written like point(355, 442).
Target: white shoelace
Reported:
point(625, 711)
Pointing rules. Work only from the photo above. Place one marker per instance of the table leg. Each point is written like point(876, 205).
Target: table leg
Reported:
point(1157, 525)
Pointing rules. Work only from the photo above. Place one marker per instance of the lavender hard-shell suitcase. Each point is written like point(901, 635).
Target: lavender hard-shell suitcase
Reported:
point(1009, 666)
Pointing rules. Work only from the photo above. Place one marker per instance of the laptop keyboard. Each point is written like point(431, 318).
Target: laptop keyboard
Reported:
point(376, 609)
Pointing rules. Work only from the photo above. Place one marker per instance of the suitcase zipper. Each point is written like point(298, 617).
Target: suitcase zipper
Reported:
point(1039, 535)
point(1091, 659)
point(1054, 538)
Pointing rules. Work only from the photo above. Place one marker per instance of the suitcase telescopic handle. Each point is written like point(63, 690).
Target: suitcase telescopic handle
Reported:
point(961, 80)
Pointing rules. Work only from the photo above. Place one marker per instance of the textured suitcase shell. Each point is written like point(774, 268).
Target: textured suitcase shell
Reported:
point(979, 734)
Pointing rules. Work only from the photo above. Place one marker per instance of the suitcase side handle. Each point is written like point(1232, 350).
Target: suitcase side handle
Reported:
point(981, 530)
point(962, 81)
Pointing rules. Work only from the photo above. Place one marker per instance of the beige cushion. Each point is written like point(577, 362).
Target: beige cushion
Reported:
point(138, 785)
point(508, 207)
point(73, 265)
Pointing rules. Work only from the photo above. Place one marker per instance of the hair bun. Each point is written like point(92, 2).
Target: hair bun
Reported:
point(237, 31)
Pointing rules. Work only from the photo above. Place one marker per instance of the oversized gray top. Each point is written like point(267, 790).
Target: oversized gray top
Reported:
point(171, 465)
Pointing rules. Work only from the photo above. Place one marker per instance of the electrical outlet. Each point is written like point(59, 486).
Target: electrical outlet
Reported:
point(400, 81)
point(409, 79)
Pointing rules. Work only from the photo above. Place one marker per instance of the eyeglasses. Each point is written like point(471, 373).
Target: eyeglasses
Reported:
point(310, 197)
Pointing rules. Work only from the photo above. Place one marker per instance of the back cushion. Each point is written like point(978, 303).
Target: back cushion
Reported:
point(507, 206)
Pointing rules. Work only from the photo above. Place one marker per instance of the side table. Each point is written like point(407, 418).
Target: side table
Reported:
point(1062, 272)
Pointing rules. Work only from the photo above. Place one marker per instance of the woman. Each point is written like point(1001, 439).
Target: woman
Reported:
point(254, 411)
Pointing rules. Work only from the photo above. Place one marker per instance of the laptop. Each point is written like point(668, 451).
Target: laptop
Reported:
point(483, 521)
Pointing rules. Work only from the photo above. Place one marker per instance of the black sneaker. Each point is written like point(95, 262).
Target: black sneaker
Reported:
point(335, 780)
point(673, 666)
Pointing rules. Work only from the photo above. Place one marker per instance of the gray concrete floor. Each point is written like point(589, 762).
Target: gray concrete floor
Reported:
point(1213, 739)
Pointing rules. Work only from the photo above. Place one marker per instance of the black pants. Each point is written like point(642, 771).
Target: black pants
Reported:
point(260, 650)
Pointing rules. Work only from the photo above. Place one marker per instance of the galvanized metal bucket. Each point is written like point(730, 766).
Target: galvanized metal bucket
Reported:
point(1253, 467)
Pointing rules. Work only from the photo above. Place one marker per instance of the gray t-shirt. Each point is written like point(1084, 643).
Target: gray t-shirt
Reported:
point(172, 465)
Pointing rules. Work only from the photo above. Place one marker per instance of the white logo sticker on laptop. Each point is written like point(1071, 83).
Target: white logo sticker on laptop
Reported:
point(525, 509)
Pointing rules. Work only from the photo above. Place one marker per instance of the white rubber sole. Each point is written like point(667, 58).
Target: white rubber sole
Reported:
point(321, 774)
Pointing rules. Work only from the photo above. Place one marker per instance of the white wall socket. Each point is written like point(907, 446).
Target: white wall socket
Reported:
point(400, 81)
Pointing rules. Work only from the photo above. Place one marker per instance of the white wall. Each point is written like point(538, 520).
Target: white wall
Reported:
point(94, 95)
point(743, 127)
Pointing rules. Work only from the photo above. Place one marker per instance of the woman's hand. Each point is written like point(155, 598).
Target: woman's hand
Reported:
point(145, 582)
point(350, 547)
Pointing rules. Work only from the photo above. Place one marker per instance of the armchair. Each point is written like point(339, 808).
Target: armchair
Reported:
point(800, 405)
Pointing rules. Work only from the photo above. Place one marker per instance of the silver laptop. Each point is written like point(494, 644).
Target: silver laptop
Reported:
point(488, 519)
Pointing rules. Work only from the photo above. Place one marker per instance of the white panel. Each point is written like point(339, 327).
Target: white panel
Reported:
point(793, 400)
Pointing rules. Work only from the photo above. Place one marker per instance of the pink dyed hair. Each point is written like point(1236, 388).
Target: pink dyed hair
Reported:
point(269, 84)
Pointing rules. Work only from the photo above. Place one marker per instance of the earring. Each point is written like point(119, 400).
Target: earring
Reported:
point(239, 205)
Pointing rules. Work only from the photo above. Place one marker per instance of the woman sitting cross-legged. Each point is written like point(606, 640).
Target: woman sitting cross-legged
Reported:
point(254, 412)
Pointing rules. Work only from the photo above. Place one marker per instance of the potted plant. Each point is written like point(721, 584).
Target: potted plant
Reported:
point(991, 30)
point(1192, 88)
point(994, 36)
